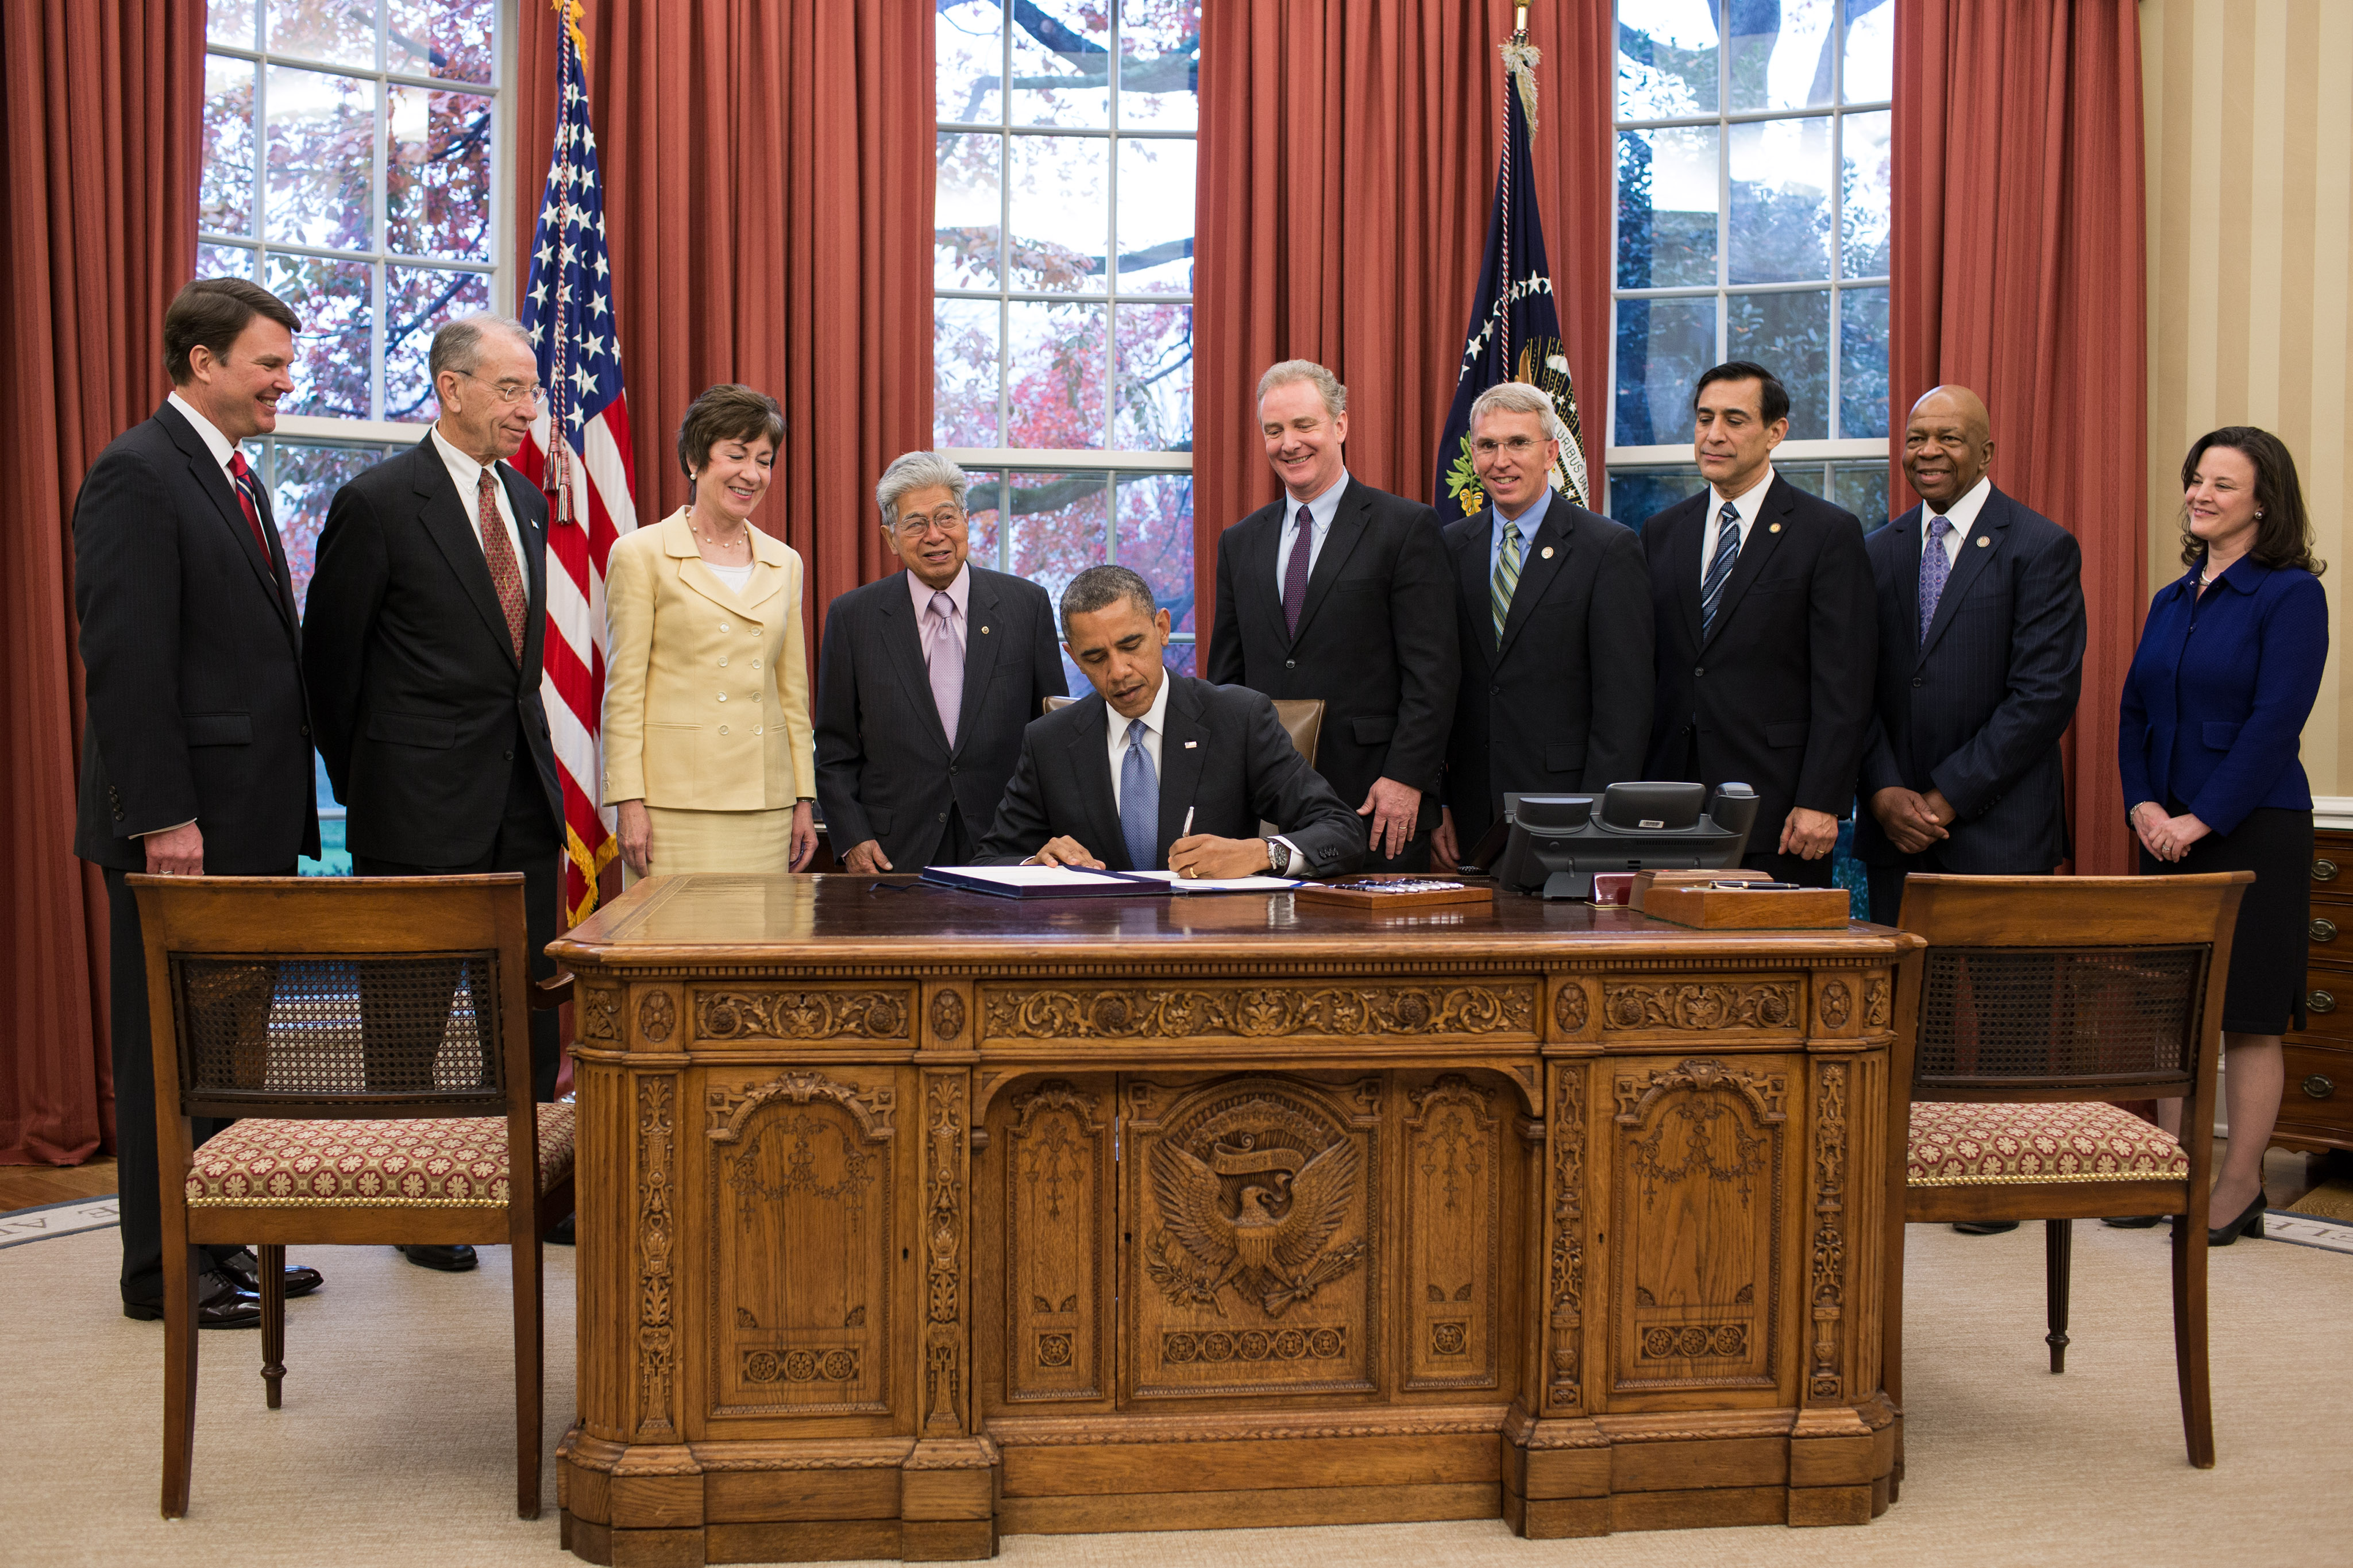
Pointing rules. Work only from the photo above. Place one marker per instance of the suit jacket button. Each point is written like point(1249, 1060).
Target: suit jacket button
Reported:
point(943, 817)
point(1291, 664)
point(306, 731)
point(1919, 681)
point(511, 757)
point(1698, 670)
point(1495, 691)
point(952, 767)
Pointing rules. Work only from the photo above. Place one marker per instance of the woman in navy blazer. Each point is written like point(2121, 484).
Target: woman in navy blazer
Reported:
point(2228, 666)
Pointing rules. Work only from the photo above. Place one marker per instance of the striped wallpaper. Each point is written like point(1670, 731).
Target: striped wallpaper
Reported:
point(2249, 107)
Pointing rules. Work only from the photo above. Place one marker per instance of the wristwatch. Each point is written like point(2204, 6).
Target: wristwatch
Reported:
point(1278, 856)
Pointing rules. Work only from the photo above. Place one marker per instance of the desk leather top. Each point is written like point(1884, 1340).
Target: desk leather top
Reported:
point(837, 919)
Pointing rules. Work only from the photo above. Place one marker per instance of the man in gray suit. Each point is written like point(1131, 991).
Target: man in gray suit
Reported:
point(925, 682)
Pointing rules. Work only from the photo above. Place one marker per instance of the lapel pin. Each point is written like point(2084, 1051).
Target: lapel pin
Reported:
point(984, 631)
point(1774, 529)
point(1547, 552)
point(1984, 539)
point(1190, 744)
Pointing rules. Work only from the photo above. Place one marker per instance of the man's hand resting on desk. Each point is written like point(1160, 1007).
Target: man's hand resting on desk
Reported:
point(1065, 851)
point(1201, 854)
point(867, 859)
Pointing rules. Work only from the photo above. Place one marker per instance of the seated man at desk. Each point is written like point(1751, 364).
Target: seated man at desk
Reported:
point(1159, 770)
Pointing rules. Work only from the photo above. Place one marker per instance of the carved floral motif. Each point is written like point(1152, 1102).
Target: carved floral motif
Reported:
point(1568, 1007)
point(1702, 1005)
point(1830, 1231)
point(1259, 1012)
point(726, 1110)
point(800, 1015)
point(1838, 1004)
point(1565, 1315)
point(657, 1017)
point(814, 1364)
point(947, 1015)
point(944, 1247)
point(1298, 1344)
point(1765, 1091)
point(657, 1195)
point(1695, 1341)
point(1876, 996)
point(600, 1014)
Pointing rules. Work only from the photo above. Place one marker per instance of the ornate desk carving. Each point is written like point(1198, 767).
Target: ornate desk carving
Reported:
point(910, 1219)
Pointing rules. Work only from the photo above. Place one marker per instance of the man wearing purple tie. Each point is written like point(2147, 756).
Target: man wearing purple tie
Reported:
point(925, 682)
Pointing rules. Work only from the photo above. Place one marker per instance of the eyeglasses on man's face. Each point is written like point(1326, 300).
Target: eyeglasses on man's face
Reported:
point(915, 525)
point(1514, 446)
point(510, 390)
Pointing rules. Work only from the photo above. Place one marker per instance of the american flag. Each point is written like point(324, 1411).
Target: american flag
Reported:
point(579, 454)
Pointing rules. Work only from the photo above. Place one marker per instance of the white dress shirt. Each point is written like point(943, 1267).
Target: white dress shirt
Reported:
point(467, 475)
point(1747, 503)
point(1963, 515)
point(1320, 512)
point(220, 446)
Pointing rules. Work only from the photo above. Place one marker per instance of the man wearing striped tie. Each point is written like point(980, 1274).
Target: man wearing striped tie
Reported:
point(1767, 630)
point(1553, 619)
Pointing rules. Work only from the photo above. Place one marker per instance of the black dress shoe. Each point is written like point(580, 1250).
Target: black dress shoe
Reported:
point(2248, 1223)
point(244, 1272)
point(560, 1233)
point(219, 1305)
point(2135, 1221)
point(1984, 1226)
point(449, 1260)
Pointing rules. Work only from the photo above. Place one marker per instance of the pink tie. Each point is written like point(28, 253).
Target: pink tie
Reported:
point(943, 653)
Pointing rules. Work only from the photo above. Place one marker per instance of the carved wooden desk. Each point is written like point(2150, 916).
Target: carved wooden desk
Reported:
point(911, 1216)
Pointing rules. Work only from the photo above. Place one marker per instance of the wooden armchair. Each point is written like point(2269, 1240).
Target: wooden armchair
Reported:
point(2041, 1001)
point(1303, 720)
point(372, 1034)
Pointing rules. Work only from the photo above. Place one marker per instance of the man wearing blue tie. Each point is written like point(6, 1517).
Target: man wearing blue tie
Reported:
point(1155, 770)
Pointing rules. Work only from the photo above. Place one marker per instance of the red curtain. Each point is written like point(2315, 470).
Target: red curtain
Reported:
point(2017, 244)
point(1348, 168)
point(102, 106)
point(768, 174)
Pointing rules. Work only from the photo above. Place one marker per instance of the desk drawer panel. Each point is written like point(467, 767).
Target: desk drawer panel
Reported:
point(1502, 1009)
point(2317, 1100)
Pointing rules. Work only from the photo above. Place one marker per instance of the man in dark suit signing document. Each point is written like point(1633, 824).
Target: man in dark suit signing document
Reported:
point(1158, 770)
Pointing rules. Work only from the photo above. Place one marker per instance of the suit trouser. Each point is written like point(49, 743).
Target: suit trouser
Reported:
point(139, 1197)
point(404, 1034)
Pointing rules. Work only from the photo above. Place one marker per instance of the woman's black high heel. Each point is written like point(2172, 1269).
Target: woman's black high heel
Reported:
point(2250, 1222)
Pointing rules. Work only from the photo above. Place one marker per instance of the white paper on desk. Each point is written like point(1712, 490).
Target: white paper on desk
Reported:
point(1042, 879)
point(1177, 884)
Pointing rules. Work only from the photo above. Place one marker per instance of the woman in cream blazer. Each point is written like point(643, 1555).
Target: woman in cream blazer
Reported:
point(709, 757)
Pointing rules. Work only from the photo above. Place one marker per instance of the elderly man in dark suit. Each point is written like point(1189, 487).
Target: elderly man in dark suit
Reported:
point(1341, 591)
point(195, 749)
point(1981, 662)
point(1158, 769)
point(1554, 622)
point(422, 637)
point(1766, 630)
point(925, 682)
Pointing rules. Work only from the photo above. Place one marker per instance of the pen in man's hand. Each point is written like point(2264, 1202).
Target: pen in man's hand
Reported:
point(1187, 833)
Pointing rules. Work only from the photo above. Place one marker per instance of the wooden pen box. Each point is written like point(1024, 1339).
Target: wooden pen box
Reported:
point(1735, 909)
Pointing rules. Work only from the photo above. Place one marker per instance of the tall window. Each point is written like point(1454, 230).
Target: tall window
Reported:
point(350, 167)
point(1752, 224)
point(1062, 318)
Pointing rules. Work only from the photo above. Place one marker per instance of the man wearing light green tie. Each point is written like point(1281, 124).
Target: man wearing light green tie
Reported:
point(1554, 620)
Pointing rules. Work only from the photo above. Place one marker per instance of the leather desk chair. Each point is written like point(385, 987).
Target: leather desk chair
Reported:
point(1303, 720)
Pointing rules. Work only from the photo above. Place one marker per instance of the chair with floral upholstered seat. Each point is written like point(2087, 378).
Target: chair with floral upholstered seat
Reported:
point(372, 1035)
point(2042, 1001)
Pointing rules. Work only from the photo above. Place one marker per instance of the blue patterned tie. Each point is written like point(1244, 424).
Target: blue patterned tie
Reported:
point(1719, 571)
point(1139, 802)
point(1934, 567)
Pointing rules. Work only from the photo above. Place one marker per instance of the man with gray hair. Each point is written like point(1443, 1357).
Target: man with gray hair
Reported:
point(1552, 615)
point(1156, 770)
point(925, 682)
point(422, 642)
point(1340, 591)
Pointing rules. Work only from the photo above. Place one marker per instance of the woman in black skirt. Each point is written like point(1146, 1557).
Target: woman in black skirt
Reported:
point(2207, 748)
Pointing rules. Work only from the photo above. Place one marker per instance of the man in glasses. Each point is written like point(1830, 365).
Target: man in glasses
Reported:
point(422, 639)
point(925, 682)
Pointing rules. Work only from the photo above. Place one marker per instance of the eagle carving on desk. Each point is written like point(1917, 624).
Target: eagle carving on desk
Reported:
point(1270, 1247)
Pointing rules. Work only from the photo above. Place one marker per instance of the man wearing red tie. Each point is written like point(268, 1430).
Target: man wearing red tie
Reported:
point(422, 637)
point(196, 753)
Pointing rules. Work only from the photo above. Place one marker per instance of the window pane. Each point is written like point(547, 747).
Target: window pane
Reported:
point(438, 174)
point(1790, 334)
point(1666, 59)
point(306, 480)
point(1668, 194)
point(1155, 540)
point(320, 154)
point(968, 75)
point(418, 300)
point(330, 369)
point(456, 39)
point(1054, 368)
point(967, 232)
point(983, 518)
point(1782, 55)
point(1662, 345)
point(1061, 63)
point(1637, 495)
point(1155, 217)
point(1780, 228)
point(230, 22)
point(1864, 194)
point(1863, 363)
point(1869, 51)
point(1155, 379)
point(1179, 657)
point(964, 372)
point(1160, 63)
point(1808, 476)
point(224, 185)
point(223, 261)
point(335, 31)
point(1057, 527)
point(1059, 213)
point(1862, 489)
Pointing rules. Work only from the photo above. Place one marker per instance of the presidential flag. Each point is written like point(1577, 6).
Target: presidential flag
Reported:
point(579, 454)
point(1514, 332)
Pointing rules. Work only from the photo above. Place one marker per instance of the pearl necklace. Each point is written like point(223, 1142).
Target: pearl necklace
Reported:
point(743, 541)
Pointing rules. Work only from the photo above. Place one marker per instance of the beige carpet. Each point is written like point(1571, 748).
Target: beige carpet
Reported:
point(392, 1446)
